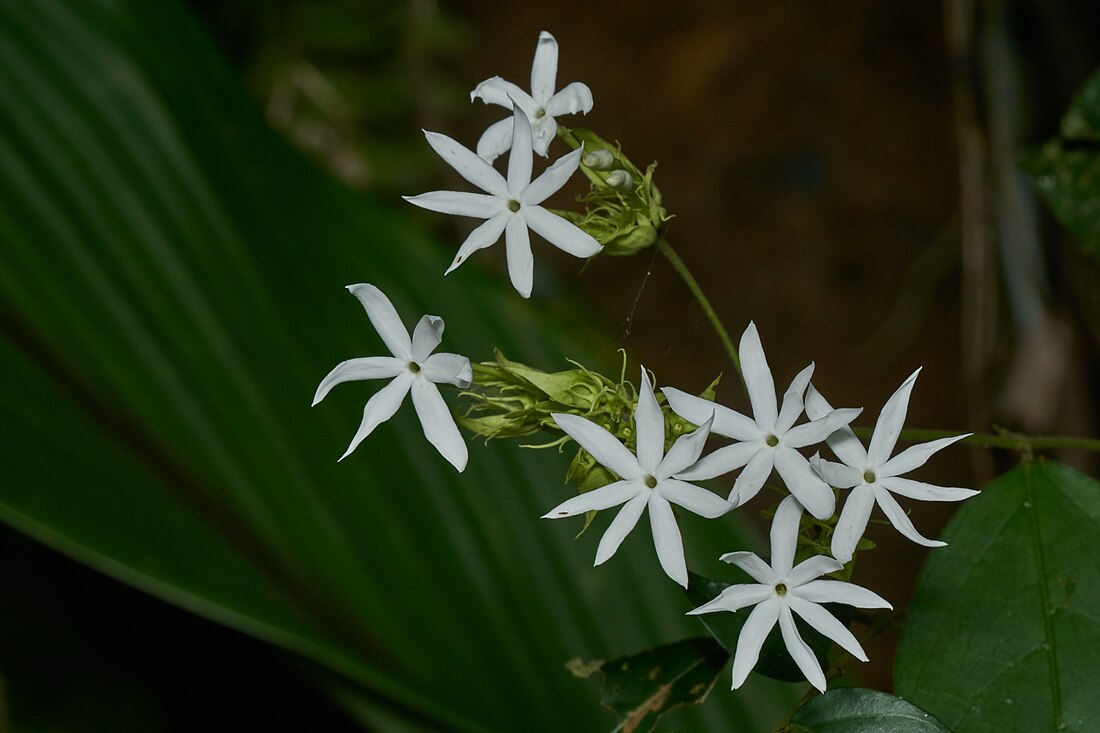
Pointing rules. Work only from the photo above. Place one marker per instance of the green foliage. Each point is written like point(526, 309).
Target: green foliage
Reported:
point(855, 710)
point(1002, 632)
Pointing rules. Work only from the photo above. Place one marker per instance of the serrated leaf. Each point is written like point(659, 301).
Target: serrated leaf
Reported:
point(856, 710)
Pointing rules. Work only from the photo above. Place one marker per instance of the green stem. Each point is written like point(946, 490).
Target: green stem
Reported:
point(1007, 440)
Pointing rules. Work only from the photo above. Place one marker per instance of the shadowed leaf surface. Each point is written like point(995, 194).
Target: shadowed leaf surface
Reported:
point(855, 710)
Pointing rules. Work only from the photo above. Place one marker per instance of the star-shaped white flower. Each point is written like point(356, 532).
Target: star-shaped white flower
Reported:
point(873, 476)
point(769, 439)
point(782, 589)
point(508, 205)
point(413, 367)
point(540, 107)
point(648, 480)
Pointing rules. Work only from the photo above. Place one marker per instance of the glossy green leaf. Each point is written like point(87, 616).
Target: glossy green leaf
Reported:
point(1003, 630)
point(171, 292)
point(855, 710)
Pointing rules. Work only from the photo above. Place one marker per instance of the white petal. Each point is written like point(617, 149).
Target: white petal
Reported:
point(721, 461)
point(727, 422)
point(384, 318)
point(837, 591)
point(562, 234)
point(784, 535)
point(753, 633)
point(487, 233)
point(380, 408)
point(367, 367)
point(816, 405)
point(444, 368)
point(693, 498)
point(756, 568)
point(734, 598)
point(496, 140)
point(758, 379)
point(603, 446)
point(544, 69)
point(750, 480)
point(900, 519)
point(804, 483)
point(604, 497)
point(916, 456)
point(649, 425)
point(800, 651)
point(521, 263)
point(572, 98)
point(853, 522)
point(458, 203)
point(426, 336)
point(666, 539)
point(792, 401)
point(519, 161)
point(818, 430)
point(924, 492)
point(836, 474)
point(497, 91)
point(843, 442)
point(684, 452)
point(828, 625)
point(544, 131)
point(889, 423)
point(620, 527)
point(468, 164)
point(810, 568)
point(552, 179)
point(438, 423)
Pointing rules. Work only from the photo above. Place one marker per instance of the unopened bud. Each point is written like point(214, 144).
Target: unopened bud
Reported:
point(620, 180)
point(599, 160)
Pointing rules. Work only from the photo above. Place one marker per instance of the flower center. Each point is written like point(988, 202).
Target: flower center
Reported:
point(772, 441)
point(414, 367)
point(781, 589)
point(540, 113)
point(869, 476)
point(650, 481)
point(513, 206)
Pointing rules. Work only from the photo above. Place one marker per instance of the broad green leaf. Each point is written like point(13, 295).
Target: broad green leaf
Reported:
point(1003, 630)
point(171, 292)
point(855, 710)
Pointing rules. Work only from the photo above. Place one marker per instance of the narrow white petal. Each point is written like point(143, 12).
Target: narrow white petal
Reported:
point(836, 474)
point(444, 368)
point(784, 535)
point(666, 539)
point(552, 179)
point(750, 480)
point(916, 456)
point(380, 408)
point(693, 498)
point(810, 568)
point(426, 336)
point(544, 69)
point(500, 92)
point(519, 161)
point(604, 447)
point(727, 422)
point(367, 367)
point(792, 400)
point(684, 452)
point(828, 625)
point(753, 633)
point(458, 203)
point(853, 522)
point(843, 442)
point(818, 430)
point(383, 316)
point(804, 483)
point(735, 597)
point(543, 132)
point(721, 461)
point(649, 426)
point(800, 651)
point(900, 519)
point(604, 497)
point(438, 423)
point(816, 405)
point(521, 263)
point(925, 492)
point(758, 379)
point(620, 527)
point(562, 234)
point(572, 98)
point(468, 164)
point(890, 421)
point(837, 591)
point(487, 233)
point(496, 140)
point(756, 568)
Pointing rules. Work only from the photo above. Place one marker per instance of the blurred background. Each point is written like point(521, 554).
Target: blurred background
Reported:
point(843, 174)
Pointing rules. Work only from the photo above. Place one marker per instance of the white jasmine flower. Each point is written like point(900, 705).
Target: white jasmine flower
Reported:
point(648, 480)
point(767, 440)
point(413, 367)
point(874, 477)
point(508, 205)
point(782, 589)
point(540, 107)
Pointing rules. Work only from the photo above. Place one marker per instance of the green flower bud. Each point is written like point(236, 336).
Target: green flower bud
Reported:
point(621, 180)
point(599, 160)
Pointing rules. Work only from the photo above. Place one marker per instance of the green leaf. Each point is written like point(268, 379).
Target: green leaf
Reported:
point(641, 688)
point(856, 710)
point(1003, 630)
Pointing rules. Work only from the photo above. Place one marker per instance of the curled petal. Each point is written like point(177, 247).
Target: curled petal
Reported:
point(666, 539)
point(843, 442)
point(562, 234)
point(727, 422)
point(458, 203)
point(444, 368)
point(552, 179)
point(649, 424)
point(468, 164)
point(723, 460)
point(519, 162)
point(800, 651)
point(693, 498)
point(792, 400)
point(570, 99)
point(924, 492)
point(827, 624)
point(426, 336)
point(603, 446)
point(495, 141)
point(544, 69)
point(521, 263)
point(384, 318)
point(758, 379)
point(487, 233)
point(604, 497)
point(853, 522)
point(820, 429)
point(367, 367)
point(804, 483)
point(735, 597)
point(500, 92)
point(438, 423)
point(837, 591)
point(900, 519)
point(812, 567)
point(753, 633)
point(836, 474)
point(684, 452)
point(544, 131)
point(784, 535)
point(889, 423)
point(756, 568)
point(750, 480)
point(380, 408)
point(916, 456)
point(620, 527)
